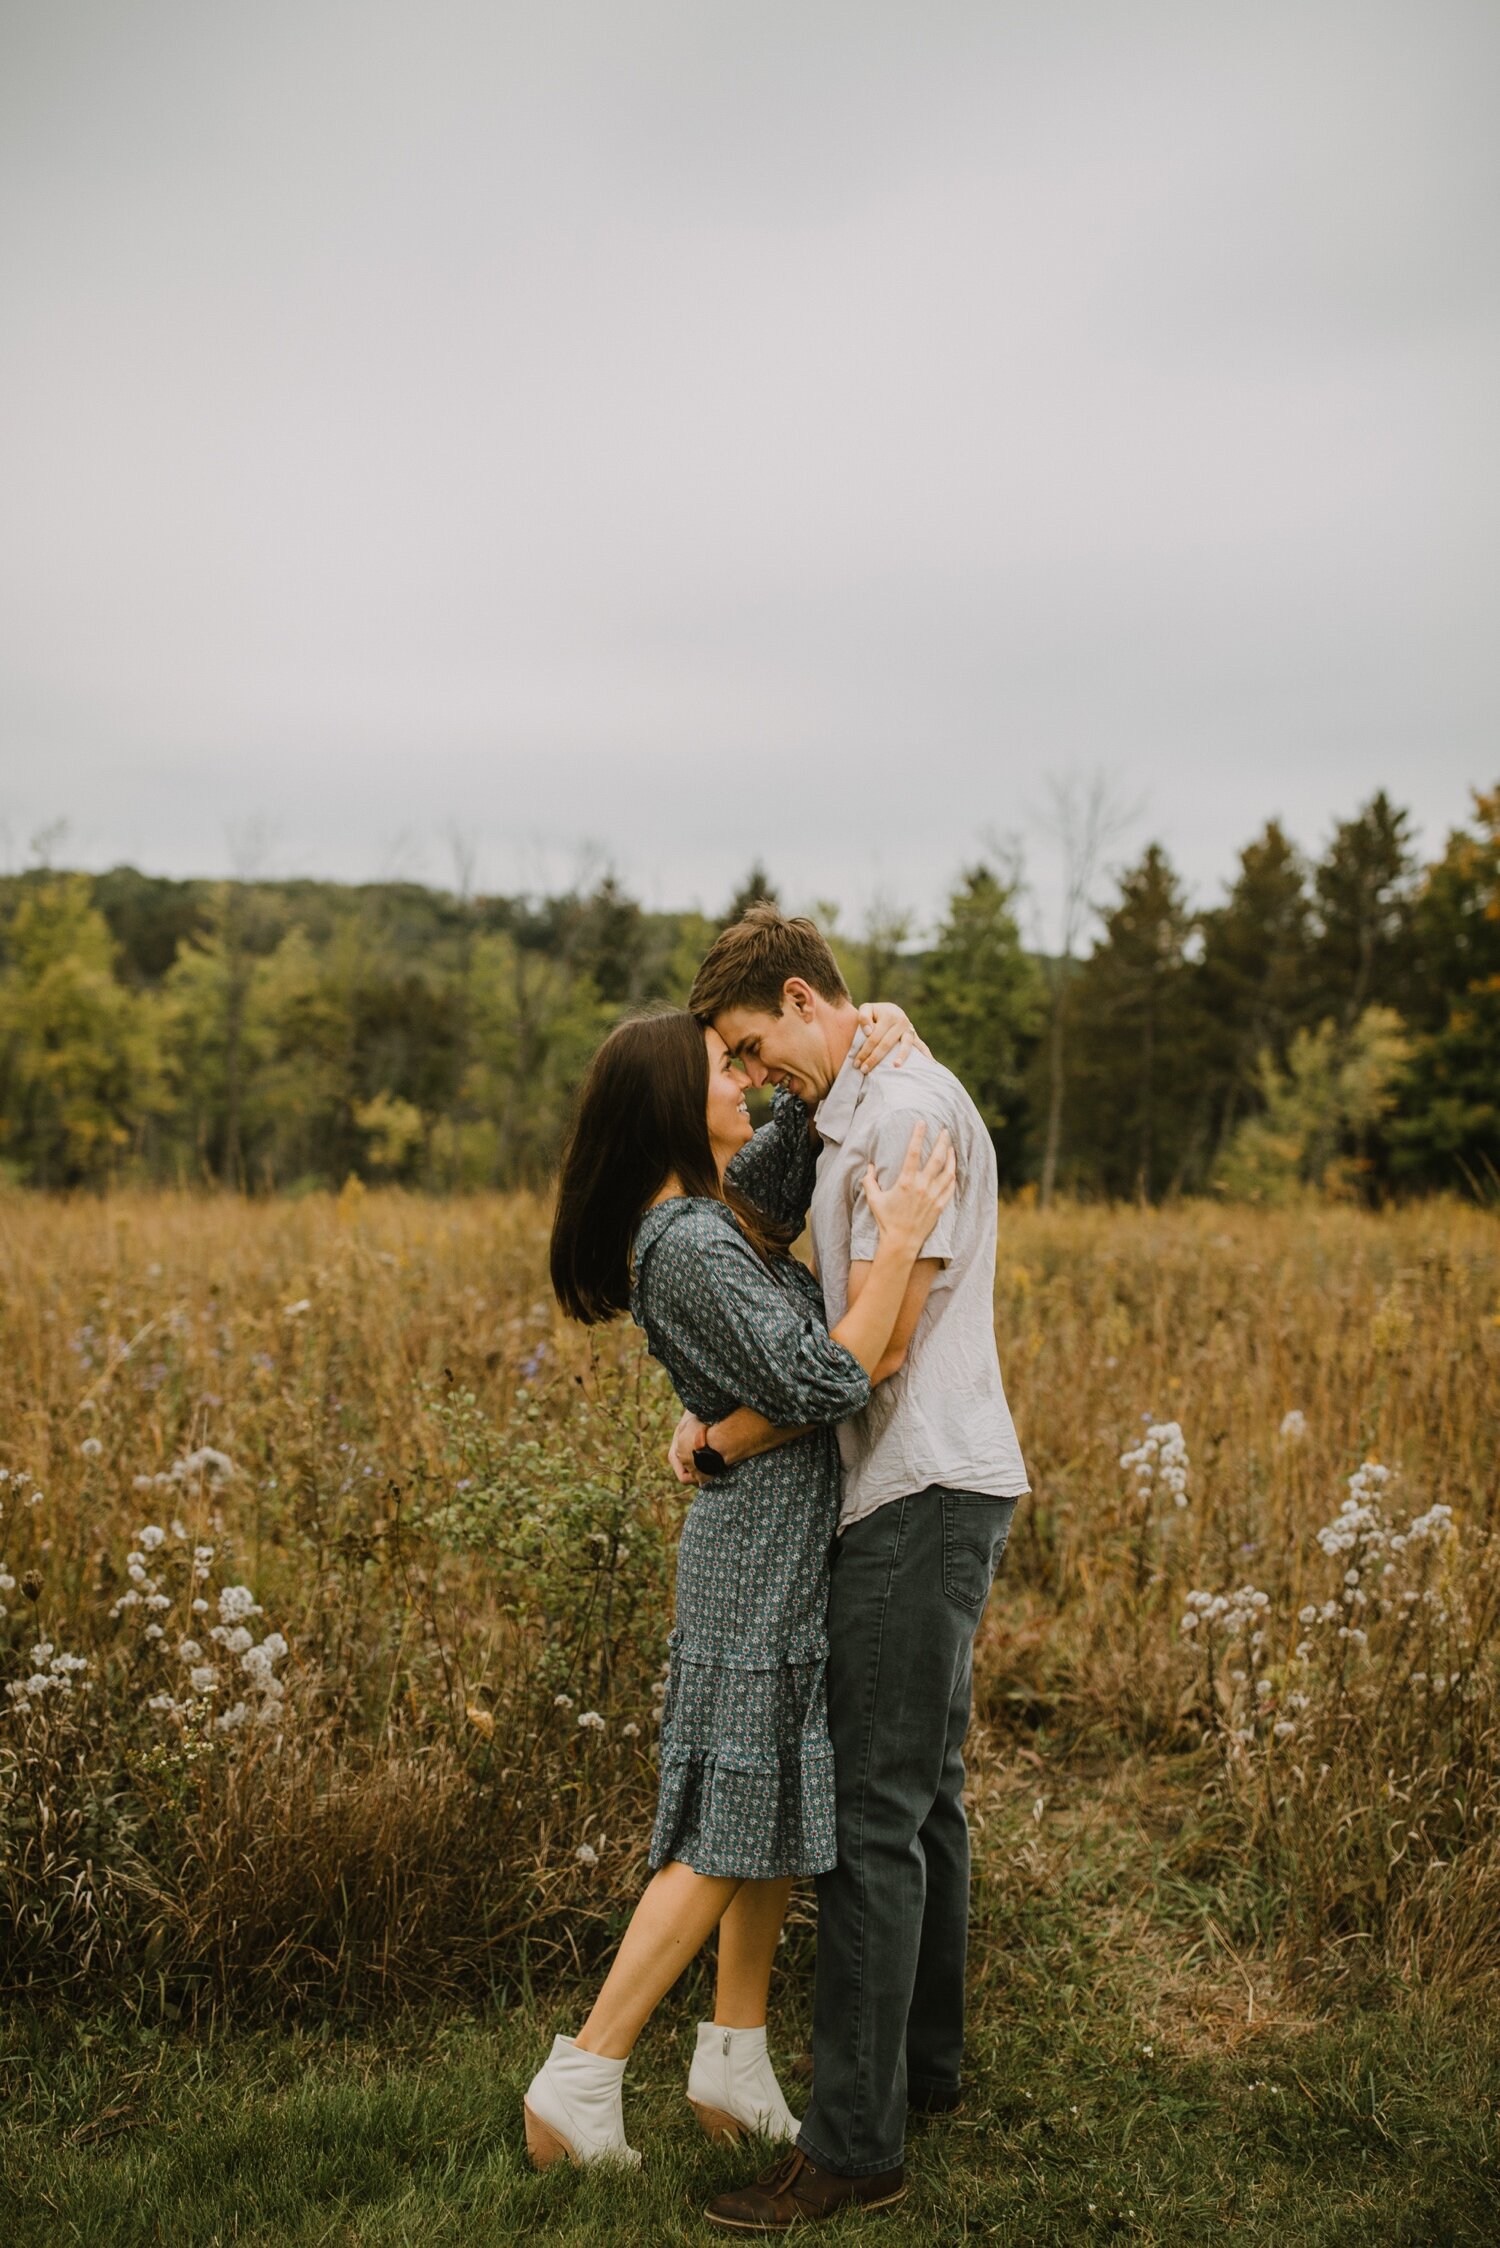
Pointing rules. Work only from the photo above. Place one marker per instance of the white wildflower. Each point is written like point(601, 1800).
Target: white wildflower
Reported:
point(586, 1854)
point(153, 1631)
point(591, 1721)
point(203, 1678)
point(91, 1447)
point(631, 1731)
point(205, 1461)
point(236, 1602)
point(152, 1537)
point(1161, 1454)
point(1293, 1426)
point(189, 1651)
point(228, 1719)
point(562, 1701)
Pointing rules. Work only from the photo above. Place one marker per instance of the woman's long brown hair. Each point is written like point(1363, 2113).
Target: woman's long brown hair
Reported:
point(642, 1118)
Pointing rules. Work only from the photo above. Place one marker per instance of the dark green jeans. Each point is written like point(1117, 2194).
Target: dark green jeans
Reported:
point(909, 1587)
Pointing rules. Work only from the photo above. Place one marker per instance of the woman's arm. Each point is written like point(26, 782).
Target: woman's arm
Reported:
point(777, 1167)
point(905, 1215)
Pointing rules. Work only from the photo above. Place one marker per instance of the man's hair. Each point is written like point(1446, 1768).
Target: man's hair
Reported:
point(749, 964)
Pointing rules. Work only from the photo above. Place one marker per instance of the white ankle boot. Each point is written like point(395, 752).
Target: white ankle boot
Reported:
point(732, 2086)
point(572, 2108)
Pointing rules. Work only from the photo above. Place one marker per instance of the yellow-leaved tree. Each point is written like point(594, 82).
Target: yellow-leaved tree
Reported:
point(81, 1075)
point(1335, 1088)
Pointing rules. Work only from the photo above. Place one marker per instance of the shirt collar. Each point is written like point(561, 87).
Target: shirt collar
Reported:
point(835, 1112)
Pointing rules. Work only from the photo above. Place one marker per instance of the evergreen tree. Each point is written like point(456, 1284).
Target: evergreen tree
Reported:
point(1449, 1126)
point(756, 889)
point(1253, 975)
point(980, 1003)
point(1133, 1038)
point(607, 941)
point(1363, 951)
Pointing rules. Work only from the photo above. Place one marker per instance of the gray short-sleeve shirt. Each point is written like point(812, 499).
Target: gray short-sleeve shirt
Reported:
point(943, 1418)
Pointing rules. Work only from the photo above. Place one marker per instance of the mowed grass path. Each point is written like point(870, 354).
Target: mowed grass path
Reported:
point(1132, 2077)
point(1379, 2128)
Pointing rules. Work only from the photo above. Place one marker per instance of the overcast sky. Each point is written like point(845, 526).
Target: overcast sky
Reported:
point(699, 431)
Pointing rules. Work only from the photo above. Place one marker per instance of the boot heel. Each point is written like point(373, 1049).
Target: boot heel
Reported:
point(543, 2144)
point(721, 2128)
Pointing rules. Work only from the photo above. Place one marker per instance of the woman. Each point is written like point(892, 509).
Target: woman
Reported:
point(671, 1206)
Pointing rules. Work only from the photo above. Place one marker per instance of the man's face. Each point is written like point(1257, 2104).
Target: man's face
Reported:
point(787, 1049)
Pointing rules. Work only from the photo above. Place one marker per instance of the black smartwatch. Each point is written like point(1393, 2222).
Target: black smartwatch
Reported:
point(709, 1462)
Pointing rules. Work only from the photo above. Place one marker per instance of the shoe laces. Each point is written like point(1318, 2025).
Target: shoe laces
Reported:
point(782, 2173)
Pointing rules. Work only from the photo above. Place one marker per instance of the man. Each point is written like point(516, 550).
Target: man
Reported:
point(932, 1473)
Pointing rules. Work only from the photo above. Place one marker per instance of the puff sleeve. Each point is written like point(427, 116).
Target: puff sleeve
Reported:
point(776, 1169)
point(734, 1334)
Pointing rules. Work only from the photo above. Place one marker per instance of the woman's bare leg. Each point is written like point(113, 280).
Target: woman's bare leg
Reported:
point(673, 1921)
point(747, 1953)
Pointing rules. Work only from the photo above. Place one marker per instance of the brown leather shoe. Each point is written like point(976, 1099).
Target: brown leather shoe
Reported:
point(797, 2192)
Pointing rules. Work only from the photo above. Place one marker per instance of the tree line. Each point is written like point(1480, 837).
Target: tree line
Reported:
point(1331, 1025)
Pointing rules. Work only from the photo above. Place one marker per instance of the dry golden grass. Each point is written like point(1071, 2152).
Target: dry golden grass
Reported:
point(453, 1508)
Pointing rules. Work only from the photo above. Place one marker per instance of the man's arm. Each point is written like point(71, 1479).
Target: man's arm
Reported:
point(913, 1304)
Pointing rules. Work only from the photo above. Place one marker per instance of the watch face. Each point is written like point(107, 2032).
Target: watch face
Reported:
point(709, 1462)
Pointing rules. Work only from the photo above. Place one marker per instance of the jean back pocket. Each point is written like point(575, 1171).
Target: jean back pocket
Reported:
point(975, 1528)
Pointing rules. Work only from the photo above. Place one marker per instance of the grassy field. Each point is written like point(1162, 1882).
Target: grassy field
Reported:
point(285, 1920)
point(1133, 2077)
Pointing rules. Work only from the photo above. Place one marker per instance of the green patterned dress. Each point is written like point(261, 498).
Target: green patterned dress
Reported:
point(746, 1762)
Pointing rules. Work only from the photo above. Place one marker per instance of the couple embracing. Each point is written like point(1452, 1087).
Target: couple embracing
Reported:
point(857, 1471)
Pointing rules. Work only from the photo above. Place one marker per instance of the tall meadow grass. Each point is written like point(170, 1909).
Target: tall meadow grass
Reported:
point(337, 1575)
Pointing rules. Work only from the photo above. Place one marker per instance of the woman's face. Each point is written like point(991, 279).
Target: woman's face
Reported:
point(729, 1124)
